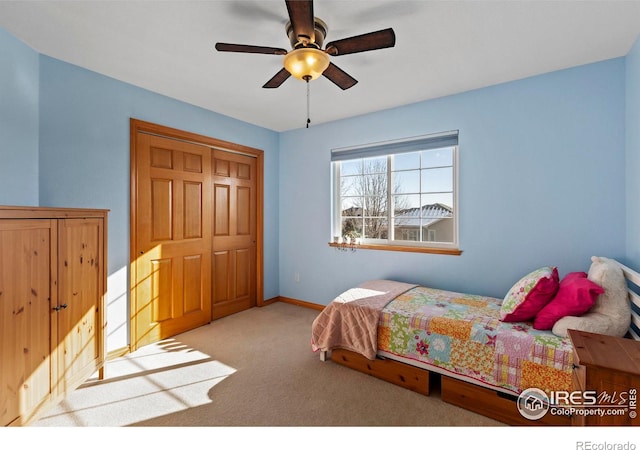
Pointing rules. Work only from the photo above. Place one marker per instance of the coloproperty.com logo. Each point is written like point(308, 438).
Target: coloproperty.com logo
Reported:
point(534, 404)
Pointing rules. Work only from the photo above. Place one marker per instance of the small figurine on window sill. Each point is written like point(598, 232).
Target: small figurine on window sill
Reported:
point(347, 242)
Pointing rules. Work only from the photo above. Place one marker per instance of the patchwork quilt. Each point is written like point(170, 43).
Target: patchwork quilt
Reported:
point(461, 334)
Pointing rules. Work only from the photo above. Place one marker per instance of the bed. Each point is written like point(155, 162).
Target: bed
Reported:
point(418, 336)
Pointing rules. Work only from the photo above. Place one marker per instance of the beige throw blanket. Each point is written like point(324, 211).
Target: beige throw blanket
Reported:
point(350, 321)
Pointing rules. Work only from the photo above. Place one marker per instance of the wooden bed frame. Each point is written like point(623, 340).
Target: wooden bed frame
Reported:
point(498, 405)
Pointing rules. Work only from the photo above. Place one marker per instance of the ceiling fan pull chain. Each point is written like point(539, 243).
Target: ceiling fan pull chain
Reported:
point(307, 78)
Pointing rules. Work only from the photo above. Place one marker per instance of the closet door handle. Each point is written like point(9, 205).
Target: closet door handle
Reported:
point(58, 308)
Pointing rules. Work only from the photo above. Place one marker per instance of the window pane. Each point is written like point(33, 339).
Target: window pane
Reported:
point(350, 167)
point(403, 203)
point(406, 182)
point(437, 157)
point(350, 185)
point(409, 218)
point(435, 211)
point(406, 220)
point(351, 227)
point(376, 228)
point(351, 207)
point(405, 232)
point(372, 184)
point(375, 165)
point(375, 206)
point(437, 180)
point(405, 161)
point(437, 230)
point(431, 199)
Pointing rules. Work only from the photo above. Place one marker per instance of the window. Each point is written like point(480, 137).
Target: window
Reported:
point(398, 194)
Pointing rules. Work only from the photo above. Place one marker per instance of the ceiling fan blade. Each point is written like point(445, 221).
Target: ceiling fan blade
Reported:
point(241, 48)
point(277, 79)
point(339, 77)
point(302, 20)
point(362, 43)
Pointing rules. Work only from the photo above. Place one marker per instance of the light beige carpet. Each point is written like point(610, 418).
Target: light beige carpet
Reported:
point(255, 368)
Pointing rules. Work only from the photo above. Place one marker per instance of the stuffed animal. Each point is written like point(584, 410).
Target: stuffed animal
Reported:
point(611, 312)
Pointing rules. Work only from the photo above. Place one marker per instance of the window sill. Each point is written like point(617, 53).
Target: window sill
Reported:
point(399, 248)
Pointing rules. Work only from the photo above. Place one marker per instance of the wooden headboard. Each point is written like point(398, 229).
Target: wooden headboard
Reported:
point(633, 283)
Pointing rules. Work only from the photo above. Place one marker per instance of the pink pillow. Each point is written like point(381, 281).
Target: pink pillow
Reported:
point(576, 296)
point(529, 295)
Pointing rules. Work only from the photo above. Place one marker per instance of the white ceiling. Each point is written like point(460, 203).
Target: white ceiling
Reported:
point(442, 48)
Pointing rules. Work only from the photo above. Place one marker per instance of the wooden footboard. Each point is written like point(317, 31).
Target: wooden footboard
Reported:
point(404, 375)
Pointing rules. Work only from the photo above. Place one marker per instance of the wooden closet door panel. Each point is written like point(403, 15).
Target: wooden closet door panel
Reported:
point(25, 317)
point(79, 290)
point(234, 233)
point(173, 238)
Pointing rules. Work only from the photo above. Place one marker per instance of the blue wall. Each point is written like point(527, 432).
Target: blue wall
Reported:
point(19, 75)
point(541, 183)
point(633, 155)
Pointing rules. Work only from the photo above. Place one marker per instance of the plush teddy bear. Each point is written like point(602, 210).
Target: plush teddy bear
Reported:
point(611, 312)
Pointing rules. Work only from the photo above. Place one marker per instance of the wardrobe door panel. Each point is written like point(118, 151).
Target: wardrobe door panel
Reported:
point(25, 323)
point(80, 288)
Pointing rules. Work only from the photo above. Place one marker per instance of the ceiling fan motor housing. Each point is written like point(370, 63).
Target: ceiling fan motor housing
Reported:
point(320, 32)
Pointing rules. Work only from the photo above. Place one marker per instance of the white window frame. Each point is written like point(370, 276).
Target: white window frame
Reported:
point(388, 149)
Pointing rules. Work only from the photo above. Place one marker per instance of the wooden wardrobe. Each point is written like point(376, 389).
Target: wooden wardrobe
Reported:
point(52, 316)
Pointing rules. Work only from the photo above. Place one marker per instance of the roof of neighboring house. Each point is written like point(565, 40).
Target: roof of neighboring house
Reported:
point(425, 215)
point(412, 217)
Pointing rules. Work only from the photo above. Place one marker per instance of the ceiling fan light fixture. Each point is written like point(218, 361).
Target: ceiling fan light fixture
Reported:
point(306, 63)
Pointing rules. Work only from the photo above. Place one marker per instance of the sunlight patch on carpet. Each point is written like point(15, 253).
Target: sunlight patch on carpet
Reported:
point(156, 380)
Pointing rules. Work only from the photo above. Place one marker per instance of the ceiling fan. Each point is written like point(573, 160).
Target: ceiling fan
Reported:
point(307, 60)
